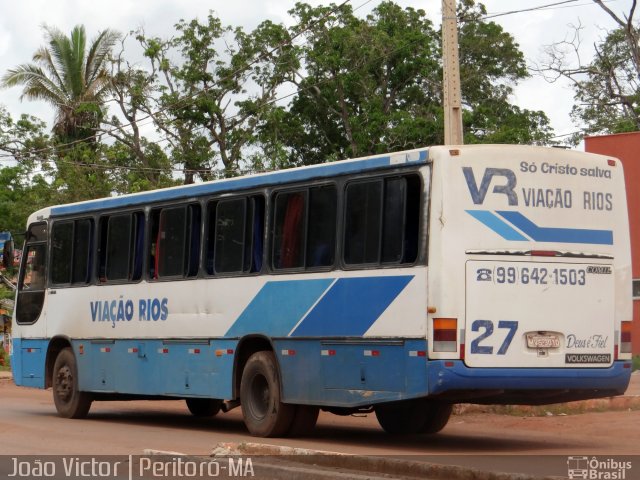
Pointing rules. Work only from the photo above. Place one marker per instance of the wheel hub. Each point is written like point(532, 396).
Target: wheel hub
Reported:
point(64, 383)
point(260, 395)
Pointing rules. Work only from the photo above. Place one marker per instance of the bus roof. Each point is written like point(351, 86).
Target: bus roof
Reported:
point(326, 170)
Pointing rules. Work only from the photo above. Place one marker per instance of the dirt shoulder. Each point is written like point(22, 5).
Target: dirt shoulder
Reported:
point(627, 402)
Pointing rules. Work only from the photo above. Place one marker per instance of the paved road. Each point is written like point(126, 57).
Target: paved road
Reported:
point(30, 426)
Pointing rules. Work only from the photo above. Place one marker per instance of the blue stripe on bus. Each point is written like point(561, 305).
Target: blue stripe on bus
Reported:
point(351, 306)
point(278, 307)
point(234, 184)
point(497, 225)
point(562, 235)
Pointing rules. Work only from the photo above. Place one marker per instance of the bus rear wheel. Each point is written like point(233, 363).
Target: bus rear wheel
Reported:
point(413, 416)
point(304, 421)
point(437, 417)
point(69, 400)
point(203, 407)
point(263, 412)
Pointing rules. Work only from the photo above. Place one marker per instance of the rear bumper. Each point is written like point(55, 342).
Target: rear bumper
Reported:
point(458, 382)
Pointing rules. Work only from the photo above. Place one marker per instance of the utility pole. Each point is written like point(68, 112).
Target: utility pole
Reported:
point(451, 75)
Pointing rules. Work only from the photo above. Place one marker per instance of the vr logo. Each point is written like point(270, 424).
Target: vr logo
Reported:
point(479, 193)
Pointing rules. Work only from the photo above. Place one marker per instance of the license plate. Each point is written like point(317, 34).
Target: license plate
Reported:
point(537, 340)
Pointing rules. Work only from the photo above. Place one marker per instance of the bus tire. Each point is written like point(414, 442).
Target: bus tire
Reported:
point(437, 416)
point(304, 420)
point(70, 402)
point(203, 407)
point(401, 418)
point(263, 412)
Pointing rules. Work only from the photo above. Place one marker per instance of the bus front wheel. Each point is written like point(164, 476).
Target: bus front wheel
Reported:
point(263, 412)
point(69, 400)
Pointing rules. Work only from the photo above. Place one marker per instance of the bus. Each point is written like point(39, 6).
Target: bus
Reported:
point(397, 284)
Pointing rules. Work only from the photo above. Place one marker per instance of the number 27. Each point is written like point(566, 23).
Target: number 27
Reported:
point(487, 326)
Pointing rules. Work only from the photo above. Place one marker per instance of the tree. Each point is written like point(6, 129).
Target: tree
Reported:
point(607, 89)
point(368, 85)
point(23, 140)
point(21, 194)
point(491, 64)
point(70, 74)
point(374, 84)
point(22, 188)
point(205, 89)
point(143, 164)
point(70, 77)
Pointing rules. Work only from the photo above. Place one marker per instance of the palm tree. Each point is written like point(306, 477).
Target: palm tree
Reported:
point(71, 78)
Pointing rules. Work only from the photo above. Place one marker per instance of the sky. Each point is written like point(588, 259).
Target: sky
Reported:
point(21, 34)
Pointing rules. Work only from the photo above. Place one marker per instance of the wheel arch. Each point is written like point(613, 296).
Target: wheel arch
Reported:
point(247, 346)
point(56, 345)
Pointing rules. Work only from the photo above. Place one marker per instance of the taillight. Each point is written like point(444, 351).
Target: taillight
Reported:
point(625, 337)
point(445, 334)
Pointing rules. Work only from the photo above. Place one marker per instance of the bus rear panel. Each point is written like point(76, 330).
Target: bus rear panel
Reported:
point(530, 261)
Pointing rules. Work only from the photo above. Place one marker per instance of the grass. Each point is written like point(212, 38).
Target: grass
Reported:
point(635, 365)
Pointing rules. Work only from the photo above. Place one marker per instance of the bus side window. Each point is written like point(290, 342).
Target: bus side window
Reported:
point(304, 233)
point(231, 224)
point(61, 252)
point(171, 242)
point(234, 235)
point(321, 232)
point(71, 243)
point(289, 230)
point(363, 222)
point(82, 251)
point(382, 221)
point(120, 247)
point(412, 219)
point(174, 248)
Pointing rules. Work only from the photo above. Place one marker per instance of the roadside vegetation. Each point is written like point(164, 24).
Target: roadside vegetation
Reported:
point(5, 364)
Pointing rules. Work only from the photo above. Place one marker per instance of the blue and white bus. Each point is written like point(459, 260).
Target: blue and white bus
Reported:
point(399, 284)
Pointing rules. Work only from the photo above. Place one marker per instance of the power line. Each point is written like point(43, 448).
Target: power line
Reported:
point(550, 6)
point(540, 7)
point(569, 134)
